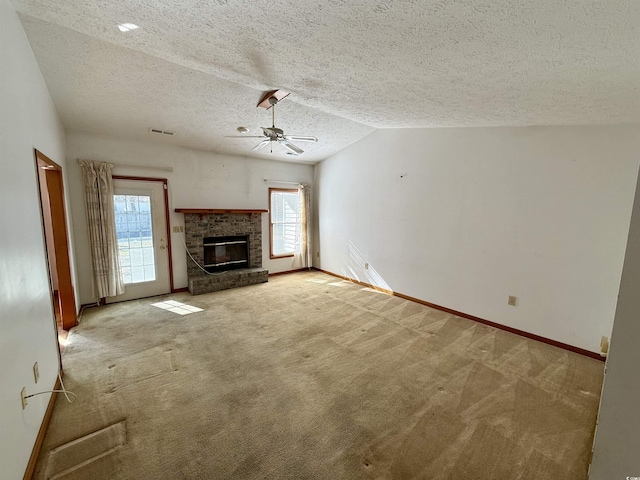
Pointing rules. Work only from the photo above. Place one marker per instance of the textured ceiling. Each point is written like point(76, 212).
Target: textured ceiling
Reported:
point(198, 66)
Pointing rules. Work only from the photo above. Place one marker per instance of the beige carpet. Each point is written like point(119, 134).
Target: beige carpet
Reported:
point(310, 377)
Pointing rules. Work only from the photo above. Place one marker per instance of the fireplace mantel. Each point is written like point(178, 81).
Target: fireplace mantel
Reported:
point(213, 211)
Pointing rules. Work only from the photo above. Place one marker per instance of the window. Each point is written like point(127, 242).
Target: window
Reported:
point(135, 238)
point(284, 221)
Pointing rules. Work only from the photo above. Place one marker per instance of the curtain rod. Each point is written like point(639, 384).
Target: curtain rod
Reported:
point(280, 181)
point(150, 167)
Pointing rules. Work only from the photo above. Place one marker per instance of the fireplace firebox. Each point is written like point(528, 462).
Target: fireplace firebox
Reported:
point(225, 253)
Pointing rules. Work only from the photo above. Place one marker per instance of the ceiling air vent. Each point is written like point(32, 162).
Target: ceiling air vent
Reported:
point(161, 132)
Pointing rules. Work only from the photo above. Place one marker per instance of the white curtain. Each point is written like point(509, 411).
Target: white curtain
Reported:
point(98, 194)
point(302, 258)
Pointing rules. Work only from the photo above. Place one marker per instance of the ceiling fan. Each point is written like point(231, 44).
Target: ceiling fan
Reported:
point(273, 134)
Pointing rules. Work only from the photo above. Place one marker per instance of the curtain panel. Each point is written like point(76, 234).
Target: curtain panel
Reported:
point(98, 192)
point(302, 258)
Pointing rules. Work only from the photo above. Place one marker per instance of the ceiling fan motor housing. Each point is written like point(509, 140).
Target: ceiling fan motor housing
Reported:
point(273, 132)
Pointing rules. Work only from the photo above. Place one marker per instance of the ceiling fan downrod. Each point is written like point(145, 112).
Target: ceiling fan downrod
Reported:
point(273, 101)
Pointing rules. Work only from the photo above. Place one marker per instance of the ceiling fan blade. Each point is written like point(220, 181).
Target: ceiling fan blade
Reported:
point(262, 144)
point(243, 136)
point(290, 146)
point(301, 138)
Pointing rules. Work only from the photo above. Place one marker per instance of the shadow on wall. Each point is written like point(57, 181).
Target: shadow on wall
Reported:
point(359, 269)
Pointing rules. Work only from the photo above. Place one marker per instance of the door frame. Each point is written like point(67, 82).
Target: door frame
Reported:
point(54, 230)
point(165, 188)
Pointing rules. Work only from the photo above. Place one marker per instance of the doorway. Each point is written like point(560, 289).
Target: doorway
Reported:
point(144, 243)
point(54, 223)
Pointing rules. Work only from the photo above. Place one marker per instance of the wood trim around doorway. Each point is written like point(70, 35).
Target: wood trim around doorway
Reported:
point(56, 236)
point(166, 216)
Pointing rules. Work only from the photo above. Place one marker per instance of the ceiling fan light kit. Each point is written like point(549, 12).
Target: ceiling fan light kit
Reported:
point(273, 134)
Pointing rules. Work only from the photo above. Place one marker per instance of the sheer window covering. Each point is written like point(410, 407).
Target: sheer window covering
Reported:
point(302, 257)
point(98, 190)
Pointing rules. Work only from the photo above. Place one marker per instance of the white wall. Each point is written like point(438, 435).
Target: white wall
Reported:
point(28, 120)
point(199, 180)
point(617, 442)
point(464, 217)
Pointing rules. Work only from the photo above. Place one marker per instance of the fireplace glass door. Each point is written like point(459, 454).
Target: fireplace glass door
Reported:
point(225, 253)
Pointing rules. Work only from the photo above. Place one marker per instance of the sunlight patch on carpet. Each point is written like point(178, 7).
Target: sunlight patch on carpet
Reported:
point(372, 290)
point(177, 307)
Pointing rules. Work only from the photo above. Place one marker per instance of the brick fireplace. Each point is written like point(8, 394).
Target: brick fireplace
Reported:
point(207, 229)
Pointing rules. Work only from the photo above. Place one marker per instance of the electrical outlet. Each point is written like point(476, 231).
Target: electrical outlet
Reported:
point(318, 254)
point(366, 266)
point(178, 229)
point(512, 300)
point(23, 397)
point(36, 372)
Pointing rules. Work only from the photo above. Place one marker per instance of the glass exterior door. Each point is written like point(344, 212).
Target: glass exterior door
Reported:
point(142, 238)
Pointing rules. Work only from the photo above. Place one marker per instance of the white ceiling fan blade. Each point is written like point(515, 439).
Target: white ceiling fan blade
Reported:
point(262, 144)
point(301, 138)
point(244, 136)
point(290, 146)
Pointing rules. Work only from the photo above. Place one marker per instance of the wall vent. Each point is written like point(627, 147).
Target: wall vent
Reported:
point(161, 132)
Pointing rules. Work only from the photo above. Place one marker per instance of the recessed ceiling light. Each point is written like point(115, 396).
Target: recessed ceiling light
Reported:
point(125, 27)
